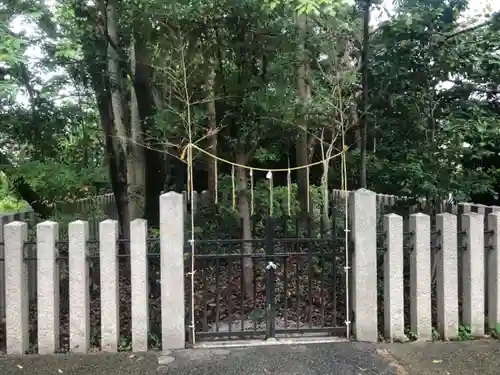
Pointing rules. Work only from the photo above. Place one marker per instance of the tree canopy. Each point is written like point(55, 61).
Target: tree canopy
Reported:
point(105, 95)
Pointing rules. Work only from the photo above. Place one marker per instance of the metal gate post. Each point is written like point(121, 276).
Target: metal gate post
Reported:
point(270, 278)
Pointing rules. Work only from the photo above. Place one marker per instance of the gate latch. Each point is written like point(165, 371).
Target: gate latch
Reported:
point(271, 265)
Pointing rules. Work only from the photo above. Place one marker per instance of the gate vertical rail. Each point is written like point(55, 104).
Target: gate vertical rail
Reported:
point(270, 278)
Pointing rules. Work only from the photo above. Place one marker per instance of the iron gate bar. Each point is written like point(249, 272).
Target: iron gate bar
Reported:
point(260, 240)
point(334, 267)
point(309, 279)
point(244, 334)
point(291, 250)
point(285, 288)
point(229, 294)
point(297, 284)
point(205, 306)
point(262, 255)
point(270, 278)
point(217, 303)
point(322, 279)
point(254, 294)
point(242, 283)
point(285, 276)
point(219, 257)
point(336, 331)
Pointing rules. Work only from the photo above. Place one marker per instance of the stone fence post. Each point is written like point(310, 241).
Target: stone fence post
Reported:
point(473, 272)
point(79, 301)
point(16, 289)
point(447, 276)
point(2, 269)
point(494, 271)
point(420, 276)
point(139, 284)
point(172, 270)
point(393, 278)
point(110, 295)
point(364, 267)
point(47, 235)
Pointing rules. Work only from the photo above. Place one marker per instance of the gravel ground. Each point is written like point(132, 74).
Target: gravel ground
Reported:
point(342, 358)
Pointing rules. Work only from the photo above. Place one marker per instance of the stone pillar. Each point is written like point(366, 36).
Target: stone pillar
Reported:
point(47, 235)
point(494, 272)
point(364, 227)
point(473, 272)
point(79, 318)
point(140, 285)
point(420, 276)
point(488, 239)
point(4, 219)
point(481, 210)
point(110, 297)
point(172, 271)
point(393, 278)
point(447, 276)
point(16, 289)
point(2, 269)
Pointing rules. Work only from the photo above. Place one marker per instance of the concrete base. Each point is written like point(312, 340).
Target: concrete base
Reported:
point(166, 356)
point(271, 341)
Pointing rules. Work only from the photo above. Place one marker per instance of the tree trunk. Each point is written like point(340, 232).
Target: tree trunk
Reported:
point(304, 93)
point(244, 210)
point(136, 166)
point(155, 162)
point(128, 129)
point(92, 49)
point(114, 156)
point(212, 131)
point(118, 101)
point(117, 84)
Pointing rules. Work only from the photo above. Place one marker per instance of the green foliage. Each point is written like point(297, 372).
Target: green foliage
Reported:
point(464, 333)
point(62, 182)
point(436, 336)
point(495, 333)
point(10, 204)
point(222, 220)
point(428, 140)
point(11, 47)
point(430, 137)
point(411, 335)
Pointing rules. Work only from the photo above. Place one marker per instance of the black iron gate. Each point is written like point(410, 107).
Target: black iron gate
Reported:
point(288, 280)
